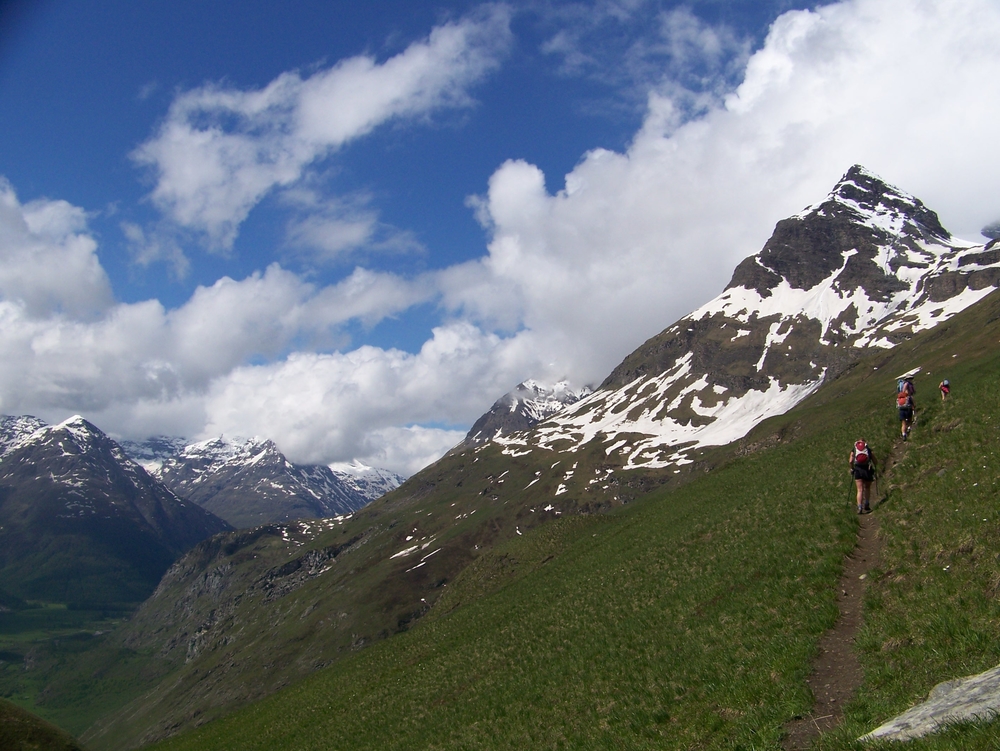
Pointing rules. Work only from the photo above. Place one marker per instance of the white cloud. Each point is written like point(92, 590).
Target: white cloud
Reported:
point(47, 260)
point(147, 248)
point(328, 229)
point(221, 150)
point(638, 47)
point(636, 240)
point(369, 403)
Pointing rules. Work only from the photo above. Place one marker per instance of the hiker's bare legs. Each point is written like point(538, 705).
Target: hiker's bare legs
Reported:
point(864, 492)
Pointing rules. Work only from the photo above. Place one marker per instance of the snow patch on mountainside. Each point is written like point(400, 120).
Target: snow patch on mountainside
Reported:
point(651, 441)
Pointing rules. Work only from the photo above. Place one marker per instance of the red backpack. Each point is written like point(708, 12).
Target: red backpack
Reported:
point(861, 453)
point(904, 399)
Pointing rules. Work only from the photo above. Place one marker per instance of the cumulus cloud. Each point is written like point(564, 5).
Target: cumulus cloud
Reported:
point(368, 403)
point(221, 150)
point(67, 347)
point(48, 262)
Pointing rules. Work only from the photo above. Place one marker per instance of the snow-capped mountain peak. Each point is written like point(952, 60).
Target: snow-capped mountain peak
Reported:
point(878, 205)
point(868, 266)
point(369, 482)
point(528, 404)
point(16, 430)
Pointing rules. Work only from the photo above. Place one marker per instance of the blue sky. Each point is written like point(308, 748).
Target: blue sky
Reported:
point(109, 72)
point(351, 228)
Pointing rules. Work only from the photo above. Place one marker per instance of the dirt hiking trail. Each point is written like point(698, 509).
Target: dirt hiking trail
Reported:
point(836, 671)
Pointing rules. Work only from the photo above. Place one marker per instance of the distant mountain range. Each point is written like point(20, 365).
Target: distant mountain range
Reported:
point(83, 518)
point(80, 521)
point(248, 481)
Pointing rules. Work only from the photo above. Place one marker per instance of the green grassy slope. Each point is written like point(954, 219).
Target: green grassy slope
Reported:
point(687, 619)
point(23, 731)
point(249, 613)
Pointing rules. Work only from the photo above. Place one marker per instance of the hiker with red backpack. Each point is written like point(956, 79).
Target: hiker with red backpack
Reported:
point(945, 389)
point(863, 471)
point(904, 402)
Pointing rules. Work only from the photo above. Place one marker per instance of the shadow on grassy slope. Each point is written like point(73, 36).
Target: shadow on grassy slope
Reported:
point(22, 731)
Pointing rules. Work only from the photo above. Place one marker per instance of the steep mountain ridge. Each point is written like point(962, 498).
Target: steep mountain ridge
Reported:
point(248, 481)
point(79, 519)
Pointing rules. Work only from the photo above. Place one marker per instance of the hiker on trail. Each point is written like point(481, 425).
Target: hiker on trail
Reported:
point(945, 389)
point(863, 472)
point(904, 401)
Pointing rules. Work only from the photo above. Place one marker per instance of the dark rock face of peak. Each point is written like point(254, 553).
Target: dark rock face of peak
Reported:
point(862, 214)
point(250, 482)
point(79, 519)
point(523, 408)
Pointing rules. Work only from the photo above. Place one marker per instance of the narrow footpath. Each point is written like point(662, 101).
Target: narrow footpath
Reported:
point(836, 671)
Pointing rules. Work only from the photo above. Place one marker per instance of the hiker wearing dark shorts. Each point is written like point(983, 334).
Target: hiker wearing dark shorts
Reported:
point(863, 472)
point(904, 401)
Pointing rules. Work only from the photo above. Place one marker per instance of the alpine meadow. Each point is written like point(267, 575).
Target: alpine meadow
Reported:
point(688, 618)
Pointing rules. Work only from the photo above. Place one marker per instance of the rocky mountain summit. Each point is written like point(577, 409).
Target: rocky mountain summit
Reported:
point(79, 519)
point(866, 267)
point(248, 481)
point(527, 405)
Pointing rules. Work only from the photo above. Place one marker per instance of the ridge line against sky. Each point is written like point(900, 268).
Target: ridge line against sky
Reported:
point(348, 244)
